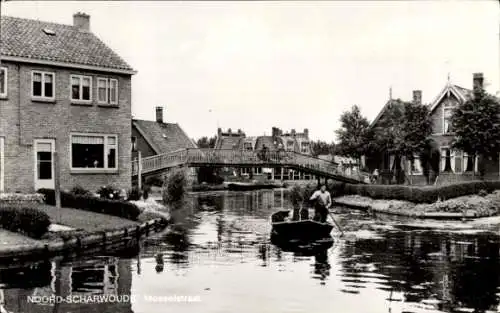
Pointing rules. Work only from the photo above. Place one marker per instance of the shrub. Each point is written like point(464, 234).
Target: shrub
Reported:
point(109, 192)
point(417, 194)
point(118, 208)
point(297, 196)
point(482, 193)
point(134, 194)
point(79, 190)
point(175, 187)
point(29, 221)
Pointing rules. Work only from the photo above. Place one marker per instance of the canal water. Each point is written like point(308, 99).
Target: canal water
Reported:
point(218, 258)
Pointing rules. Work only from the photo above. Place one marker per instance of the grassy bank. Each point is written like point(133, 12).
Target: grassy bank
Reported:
point(415, 194)
point(465, 206)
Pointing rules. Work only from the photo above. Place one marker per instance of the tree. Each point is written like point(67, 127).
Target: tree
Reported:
point(476, 125)
point(321, 147)
point(404, 132)
point(354, 135)
point(205, 142)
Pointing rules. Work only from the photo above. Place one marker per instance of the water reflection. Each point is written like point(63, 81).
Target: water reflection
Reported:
point(220, 249)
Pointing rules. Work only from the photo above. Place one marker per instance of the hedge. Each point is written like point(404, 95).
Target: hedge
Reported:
point(118, 208)
point(415, 194)
point(29, 221)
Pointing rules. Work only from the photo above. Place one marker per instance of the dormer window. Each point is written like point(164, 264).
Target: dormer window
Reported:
point(49, 32)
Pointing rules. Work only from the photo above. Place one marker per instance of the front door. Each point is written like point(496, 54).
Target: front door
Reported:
point(44, 163)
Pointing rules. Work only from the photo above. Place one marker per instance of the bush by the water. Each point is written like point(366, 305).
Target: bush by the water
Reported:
point(29, 221)
point(175, 187)
point(118, 208)
point(416, 194)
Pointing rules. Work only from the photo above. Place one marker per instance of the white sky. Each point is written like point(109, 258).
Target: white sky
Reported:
point(255, 65)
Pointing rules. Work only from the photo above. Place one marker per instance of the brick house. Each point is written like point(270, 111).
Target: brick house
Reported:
point(158, 137)
point(62, 90)
point(292, 141)
point(454, 165)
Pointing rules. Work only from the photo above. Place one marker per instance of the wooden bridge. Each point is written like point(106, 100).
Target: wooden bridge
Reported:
point(240, 158)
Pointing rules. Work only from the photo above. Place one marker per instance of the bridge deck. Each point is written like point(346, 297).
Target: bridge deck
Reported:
point(234, 158)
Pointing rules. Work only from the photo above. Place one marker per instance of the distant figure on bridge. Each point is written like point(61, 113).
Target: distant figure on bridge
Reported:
point(322, 204)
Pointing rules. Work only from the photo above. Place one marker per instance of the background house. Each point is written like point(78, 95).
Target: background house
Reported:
point(157, 137)
point(278, 141)
point(453, 165)
point(62, 90)
point(456, 165)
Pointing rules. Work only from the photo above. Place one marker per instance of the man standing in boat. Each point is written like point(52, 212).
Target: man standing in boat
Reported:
point(323, 203)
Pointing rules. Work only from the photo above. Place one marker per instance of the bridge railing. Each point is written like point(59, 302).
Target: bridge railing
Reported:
point(239, 157)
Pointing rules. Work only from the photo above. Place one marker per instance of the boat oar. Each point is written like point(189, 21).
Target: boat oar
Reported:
point(336, 224)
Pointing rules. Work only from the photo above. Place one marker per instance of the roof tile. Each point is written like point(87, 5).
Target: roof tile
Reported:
point(167, 137)
point(26, 38)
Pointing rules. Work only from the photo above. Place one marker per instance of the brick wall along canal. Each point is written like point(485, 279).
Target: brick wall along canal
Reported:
point(218, 258)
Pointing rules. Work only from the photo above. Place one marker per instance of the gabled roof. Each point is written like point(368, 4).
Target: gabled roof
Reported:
point(229, 142)
point(50, 43)
point(460, 93)
point(163, 137)
point(384, 108)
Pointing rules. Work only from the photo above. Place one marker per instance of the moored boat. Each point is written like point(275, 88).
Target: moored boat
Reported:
point(249, 186)
point(306, 229)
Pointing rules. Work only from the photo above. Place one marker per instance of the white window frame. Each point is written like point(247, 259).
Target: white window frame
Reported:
point(80, 77)
point(417, 164)
point(43, 97)
point(6, 82)
point(464, 163)
point(108, 91)
point(106, 147)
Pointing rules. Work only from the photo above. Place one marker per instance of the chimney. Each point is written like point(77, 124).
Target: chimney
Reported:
point(306, 133)
point(274, 132)
point(81, 21)
point(219, 132)
point(417, 96)
point(159, 114)
point(477, 83)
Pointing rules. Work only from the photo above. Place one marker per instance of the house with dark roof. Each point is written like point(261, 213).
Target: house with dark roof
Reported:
point(158, 137)
point(62, 90)
point(454, 165)
point(291, 141)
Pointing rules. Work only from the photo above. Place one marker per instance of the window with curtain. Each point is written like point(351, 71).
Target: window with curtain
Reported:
point(42, 85)
point(468, 162)
point(3, 82)
point(94, 151)
point(446, 160)
point(107, 90)
point(81, 87)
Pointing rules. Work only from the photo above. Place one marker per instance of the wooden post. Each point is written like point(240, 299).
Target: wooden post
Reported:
point(57, 184)
point(139, 170)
